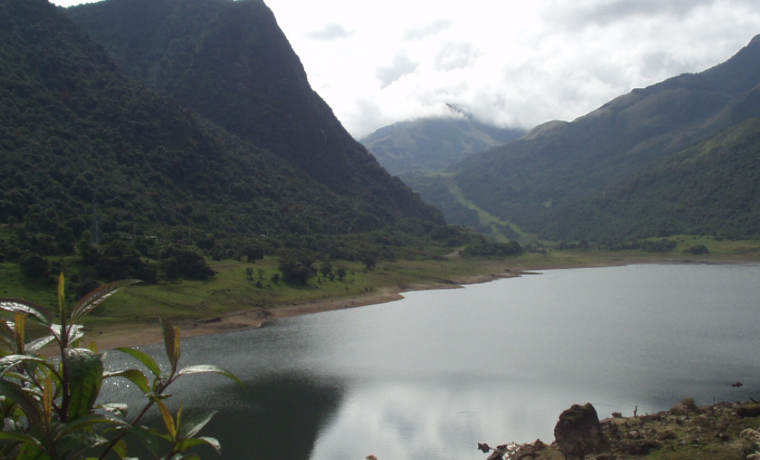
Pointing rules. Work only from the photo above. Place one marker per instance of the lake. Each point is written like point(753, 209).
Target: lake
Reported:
point(433, 374)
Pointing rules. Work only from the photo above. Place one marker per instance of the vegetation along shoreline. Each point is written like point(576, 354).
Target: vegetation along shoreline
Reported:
point(386, 283)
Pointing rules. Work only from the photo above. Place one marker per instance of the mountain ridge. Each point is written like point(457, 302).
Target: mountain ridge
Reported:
point(560, 163)
point(230, 62)
point(433, 143)
point(96, 158)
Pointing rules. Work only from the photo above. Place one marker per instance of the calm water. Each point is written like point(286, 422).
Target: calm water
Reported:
point(432, 375)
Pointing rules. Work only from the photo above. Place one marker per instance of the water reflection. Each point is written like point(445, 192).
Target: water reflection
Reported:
point(433, 374)
point(287, 415)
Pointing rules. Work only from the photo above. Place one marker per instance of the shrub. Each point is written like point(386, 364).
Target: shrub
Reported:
point(34, 266)
point(697, 250)
point(49, 404)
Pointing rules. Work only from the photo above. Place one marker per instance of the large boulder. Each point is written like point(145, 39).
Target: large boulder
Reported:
point(579, 433)
point(685, 407)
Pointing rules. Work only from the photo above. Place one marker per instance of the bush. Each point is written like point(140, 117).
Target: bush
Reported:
point(49, 404)
point(191, 265)
point(295, 271)
point(697, 250)
point(34, 266)
point(663, 245)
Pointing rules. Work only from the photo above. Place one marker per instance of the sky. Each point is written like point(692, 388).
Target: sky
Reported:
point(506, 62)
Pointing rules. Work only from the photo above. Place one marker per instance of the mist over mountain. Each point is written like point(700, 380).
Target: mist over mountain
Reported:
point(433, 143)
point(540, 182)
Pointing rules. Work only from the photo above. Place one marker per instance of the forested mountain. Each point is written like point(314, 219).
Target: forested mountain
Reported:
point(429, 144)
point(87, 152)
point(543, 181)
point(230, 62)
point(712, 188)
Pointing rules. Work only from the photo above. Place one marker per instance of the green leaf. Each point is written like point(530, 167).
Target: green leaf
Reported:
point(171, 342)
point(134, 376)
point(85, 378)
point(74, 332)
point(14, 360)
point(35, 345)
point(206, 368)
point(41, 314)
point(87, 303)
point(145, 437)
point(27, 402)
point(61, 294)
point(168, 419)
point(120, 448)
point(32, 452)
point(117, 409)
point(14, 436)
point(213, 443)
point(144, 358)
point(193, 425)
point(82, 423)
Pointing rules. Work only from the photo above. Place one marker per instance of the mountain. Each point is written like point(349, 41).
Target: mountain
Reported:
point(231, 63)
point(87, 151)
point(711, 188)
point(539, 182)
point(429, 144)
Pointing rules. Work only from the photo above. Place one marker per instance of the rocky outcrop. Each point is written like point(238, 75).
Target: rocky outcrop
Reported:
point(683, 431)
point(579, 433)
point(685, 407)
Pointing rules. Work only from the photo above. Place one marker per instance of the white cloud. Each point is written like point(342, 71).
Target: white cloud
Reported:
point(455, 56)
point(430, 29)
point(508, 62)
point(401, 66)
point(330, 32)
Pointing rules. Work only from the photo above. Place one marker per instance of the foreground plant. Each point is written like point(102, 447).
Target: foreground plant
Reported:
point(48, 405)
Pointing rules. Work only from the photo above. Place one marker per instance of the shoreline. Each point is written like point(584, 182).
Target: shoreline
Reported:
point(132, 335)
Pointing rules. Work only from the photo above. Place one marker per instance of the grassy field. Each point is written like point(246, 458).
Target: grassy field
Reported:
point(232, 291)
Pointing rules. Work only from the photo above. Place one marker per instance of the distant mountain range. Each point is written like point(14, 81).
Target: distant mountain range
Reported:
point(676, 157)
point(429, 144)
point(189, 119)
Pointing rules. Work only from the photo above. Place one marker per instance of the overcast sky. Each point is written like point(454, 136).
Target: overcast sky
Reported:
point(507, 62)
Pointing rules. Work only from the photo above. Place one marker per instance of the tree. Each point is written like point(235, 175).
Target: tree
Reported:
point(49, 404)
point(249, 273)
point(341, 272)
point(370, 261)
point(34, 266)
point(295, 271)
point(325, 269)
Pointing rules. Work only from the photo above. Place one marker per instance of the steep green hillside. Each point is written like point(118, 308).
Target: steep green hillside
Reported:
point(230, 62)
point(709, 189)
point(540, 181)
point(89, 156)
point(430, 144)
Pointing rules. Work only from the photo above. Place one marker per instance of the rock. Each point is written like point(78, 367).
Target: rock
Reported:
point(579, 433)
point(640, 446)
point(617, 415)
point(748, 410)
point(685, 407)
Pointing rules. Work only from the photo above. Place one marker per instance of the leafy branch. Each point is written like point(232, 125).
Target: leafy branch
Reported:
point(48, 405)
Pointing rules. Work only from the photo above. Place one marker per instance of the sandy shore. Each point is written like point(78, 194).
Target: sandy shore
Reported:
point(142, 334)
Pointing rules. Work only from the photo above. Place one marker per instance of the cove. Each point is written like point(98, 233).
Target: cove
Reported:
point(433, 374)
